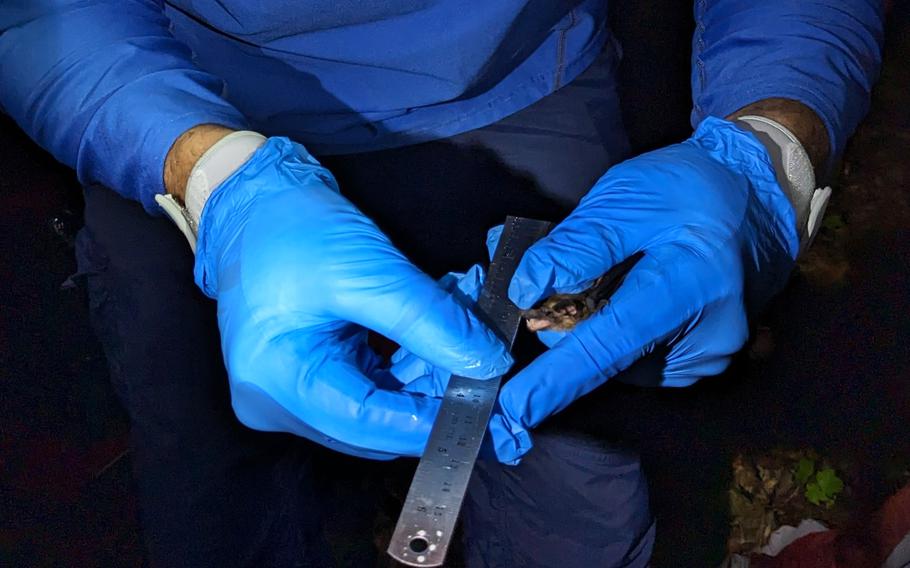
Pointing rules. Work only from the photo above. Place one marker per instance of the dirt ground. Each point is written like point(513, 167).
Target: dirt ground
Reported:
point(836, 378)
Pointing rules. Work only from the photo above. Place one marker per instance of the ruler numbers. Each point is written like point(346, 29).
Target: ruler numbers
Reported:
point(428, 518)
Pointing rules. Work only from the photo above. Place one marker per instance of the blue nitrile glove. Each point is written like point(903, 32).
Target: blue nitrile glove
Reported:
point(719, 239)
point(418, 375)
point(299, 274)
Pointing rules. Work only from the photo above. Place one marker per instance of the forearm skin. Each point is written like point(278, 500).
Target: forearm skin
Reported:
point(186, 151)
point(799, 119)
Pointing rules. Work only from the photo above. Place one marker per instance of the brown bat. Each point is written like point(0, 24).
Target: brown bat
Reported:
point(562, 312)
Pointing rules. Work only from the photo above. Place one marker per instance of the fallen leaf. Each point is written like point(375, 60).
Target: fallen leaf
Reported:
point(804, 470)
point(829, 483)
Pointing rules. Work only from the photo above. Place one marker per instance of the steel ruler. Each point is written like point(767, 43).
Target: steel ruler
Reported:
point(427, 522)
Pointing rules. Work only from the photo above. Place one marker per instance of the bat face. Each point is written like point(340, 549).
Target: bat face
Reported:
point(562, 312)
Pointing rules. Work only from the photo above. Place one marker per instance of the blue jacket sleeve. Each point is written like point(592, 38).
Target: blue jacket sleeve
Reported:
point(825, 54)
point(104, 87)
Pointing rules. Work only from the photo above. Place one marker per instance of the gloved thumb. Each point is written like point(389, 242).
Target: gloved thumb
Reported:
point(417, 374)
point(568, 260)
point(408, 307)
point(506, 440)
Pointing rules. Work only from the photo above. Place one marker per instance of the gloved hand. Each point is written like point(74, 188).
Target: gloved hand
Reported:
point(719, 238)
point(299, 274)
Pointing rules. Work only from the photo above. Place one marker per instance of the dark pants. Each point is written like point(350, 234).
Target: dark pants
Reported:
point(214, 493)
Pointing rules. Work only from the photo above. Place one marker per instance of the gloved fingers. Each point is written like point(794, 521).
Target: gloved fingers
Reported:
point(506, 439)
point(466, 289)
point(652, 305)
point(549, 337)
point(358, 412)
point(570, 258)
point(316, 385)
point(348, 270)
point(551, 382)
point(720, 330)
point(419, 376)
point(398, 301)
point(493, 236)
point(432, 384)
point(686, 376)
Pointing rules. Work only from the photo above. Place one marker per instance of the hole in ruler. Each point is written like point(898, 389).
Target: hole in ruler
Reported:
point(418, 545)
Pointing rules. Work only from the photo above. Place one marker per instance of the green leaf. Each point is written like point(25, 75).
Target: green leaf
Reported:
point(815, 495)
point(804, 470)
point(825, 488)
point(829, 483)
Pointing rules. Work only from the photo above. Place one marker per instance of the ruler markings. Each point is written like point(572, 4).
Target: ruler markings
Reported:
point(427, 521)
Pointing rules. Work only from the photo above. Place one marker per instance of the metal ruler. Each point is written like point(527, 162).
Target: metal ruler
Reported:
point(431, 508)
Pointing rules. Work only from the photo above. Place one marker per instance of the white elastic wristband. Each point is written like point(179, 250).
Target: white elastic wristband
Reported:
point(214, 166)
point(794, 174)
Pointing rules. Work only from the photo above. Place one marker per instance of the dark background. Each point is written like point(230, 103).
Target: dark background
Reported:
point(837, 380)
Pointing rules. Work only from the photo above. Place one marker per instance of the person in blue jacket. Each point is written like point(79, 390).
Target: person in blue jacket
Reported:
point(430, 121)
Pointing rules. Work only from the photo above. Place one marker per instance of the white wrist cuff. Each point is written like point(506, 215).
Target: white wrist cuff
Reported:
point(794, 174)
point(217, 164)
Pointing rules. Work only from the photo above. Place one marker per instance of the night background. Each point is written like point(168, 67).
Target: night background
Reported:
point(828, 371)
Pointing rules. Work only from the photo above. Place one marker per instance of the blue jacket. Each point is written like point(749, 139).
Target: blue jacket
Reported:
point(107, 85)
